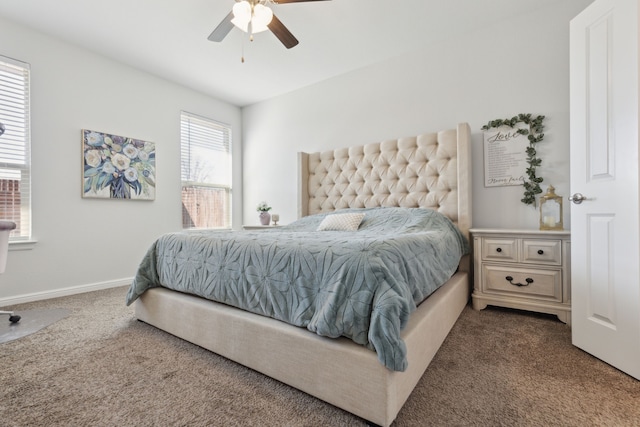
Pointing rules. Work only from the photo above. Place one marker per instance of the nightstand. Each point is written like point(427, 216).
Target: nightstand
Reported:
point(523, 269)
point(258, 227)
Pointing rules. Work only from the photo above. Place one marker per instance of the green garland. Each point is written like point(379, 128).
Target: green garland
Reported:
point(535, 135)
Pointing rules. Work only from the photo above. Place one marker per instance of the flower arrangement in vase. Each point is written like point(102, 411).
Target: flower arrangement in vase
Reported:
point(265, 216)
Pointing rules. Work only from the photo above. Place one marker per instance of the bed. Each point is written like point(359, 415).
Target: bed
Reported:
point(369, 372)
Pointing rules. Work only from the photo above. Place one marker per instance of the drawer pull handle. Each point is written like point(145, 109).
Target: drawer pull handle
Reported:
point(540, 251)
point(528, 280)
point(499, 250)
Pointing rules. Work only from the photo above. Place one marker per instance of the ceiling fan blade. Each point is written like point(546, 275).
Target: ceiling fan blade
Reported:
point(222, 29)
point(294, 1)
point(282, 33)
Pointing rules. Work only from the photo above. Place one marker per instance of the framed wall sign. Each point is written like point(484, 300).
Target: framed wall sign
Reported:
point(505, 156)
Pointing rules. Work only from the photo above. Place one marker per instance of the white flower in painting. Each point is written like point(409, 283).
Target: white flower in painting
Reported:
point(108, 168)
point(131, 175)
point(120, 161)
point(94, 139)
point(143, 155)
point(93, 158)
point(130, 151)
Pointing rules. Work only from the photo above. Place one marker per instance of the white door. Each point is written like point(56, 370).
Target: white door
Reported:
point(605, 236)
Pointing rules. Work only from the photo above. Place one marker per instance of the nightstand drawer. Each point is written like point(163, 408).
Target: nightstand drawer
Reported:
point(499, 249)
point(542, 251)
point(537, 284)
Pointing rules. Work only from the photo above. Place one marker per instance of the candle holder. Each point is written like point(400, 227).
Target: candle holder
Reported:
point(275, 218)
point(551, 211)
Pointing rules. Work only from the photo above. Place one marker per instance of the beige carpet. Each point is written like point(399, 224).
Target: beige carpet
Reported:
point(101, 367)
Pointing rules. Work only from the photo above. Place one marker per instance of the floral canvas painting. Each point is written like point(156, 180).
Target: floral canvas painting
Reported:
point(116, 167)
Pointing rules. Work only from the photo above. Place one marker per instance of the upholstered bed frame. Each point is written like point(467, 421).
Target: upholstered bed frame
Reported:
point(428, 171)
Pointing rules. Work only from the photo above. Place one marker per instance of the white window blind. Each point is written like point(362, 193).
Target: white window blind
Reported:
point(15, 147)
point(206, 172)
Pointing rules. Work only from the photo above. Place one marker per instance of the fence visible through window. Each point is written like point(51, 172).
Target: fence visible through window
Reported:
point(10, 201)
point(204, 207)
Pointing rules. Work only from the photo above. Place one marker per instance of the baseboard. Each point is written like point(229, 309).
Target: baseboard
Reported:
point(56, 293)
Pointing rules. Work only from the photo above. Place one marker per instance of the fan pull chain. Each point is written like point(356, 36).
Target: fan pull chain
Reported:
point(242, 58)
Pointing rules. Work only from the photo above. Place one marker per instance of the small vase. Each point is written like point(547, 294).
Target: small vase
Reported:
point(265, 218)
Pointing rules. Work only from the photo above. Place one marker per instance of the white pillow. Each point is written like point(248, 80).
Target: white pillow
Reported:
point(341, 222)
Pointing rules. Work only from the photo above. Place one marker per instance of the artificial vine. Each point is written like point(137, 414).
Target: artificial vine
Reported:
point(535, 135)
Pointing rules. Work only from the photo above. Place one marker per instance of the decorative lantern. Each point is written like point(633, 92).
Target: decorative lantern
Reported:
point(551, 210)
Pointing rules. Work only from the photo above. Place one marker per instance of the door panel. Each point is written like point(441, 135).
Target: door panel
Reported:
point(599, 144)
point(600, 280)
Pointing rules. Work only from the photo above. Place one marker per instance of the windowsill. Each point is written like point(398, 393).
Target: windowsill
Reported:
point(22, 245)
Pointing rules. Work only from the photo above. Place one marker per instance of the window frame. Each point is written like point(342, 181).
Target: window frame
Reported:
point(190, 137)
point(15, 144)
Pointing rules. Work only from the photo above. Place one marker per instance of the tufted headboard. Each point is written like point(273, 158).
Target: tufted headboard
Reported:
point(427, 171)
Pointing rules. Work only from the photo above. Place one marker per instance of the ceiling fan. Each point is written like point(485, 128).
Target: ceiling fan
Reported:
point(254, 16)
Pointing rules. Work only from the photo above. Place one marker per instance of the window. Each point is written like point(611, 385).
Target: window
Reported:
point(15, 147)
point(206, 172)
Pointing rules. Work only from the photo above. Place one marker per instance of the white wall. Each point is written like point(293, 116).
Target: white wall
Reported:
point(511, 67)
point(87, 242)
point(518, 66)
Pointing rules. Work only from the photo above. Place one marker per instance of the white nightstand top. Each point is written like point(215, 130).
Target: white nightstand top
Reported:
point(519, 231)
point(259, 227)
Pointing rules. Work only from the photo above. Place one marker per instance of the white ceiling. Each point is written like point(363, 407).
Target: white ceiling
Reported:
point(168, 38)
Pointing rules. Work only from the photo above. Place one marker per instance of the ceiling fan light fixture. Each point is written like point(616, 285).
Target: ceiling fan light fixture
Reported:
point(262, 16)
point(242, 15)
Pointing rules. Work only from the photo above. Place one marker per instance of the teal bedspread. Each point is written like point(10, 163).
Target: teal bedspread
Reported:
point(361, 284)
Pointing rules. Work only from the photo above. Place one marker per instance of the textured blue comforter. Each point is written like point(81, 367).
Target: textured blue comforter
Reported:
point(360, 284)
